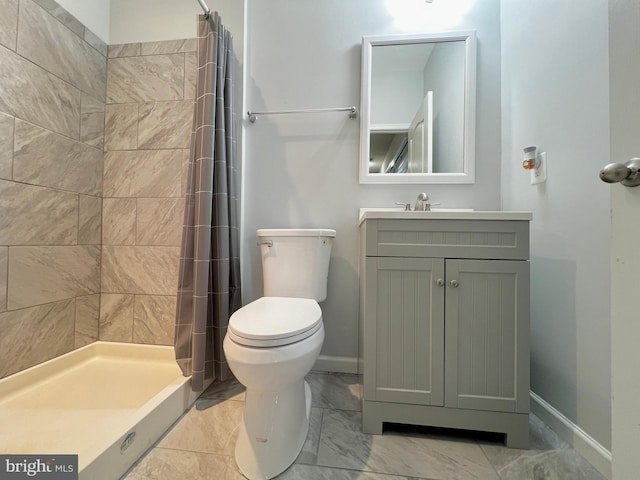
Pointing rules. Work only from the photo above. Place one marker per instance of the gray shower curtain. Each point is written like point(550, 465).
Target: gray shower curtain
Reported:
point(209, 275)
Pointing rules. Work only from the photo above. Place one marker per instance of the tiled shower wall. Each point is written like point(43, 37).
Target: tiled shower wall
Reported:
point(89, 240)
point(149, 111)
point(53, 75)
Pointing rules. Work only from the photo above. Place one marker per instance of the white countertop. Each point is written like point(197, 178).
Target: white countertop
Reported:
point(441, 214)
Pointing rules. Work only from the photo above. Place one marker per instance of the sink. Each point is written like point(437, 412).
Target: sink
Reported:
point(440, 214)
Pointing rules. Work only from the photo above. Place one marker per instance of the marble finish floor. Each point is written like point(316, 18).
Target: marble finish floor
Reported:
point(201, 445)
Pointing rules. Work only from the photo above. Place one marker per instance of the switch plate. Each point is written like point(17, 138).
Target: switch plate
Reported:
point(539, 174)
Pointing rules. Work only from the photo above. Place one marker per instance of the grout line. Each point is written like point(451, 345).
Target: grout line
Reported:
point(488, 459)
point(319, 436)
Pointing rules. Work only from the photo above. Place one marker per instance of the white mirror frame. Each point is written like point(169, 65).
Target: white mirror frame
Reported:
point(468, 168)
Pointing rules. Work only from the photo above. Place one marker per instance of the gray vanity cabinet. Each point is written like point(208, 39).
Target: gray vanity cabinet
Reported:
point(405, 356)
point(445, 325)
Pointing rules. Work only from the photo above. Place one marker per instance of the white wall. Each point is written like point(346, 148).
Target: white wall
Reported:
point(94, 14)
point(156, 20)
point(395, 96)
point(152, 20)
point(302, 170)
point(555, 88)
point(444, 75)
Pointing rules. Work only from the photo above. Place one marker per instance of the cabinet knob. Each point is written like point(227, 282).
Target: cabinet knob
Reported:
point(454, 283)
point(440, 282)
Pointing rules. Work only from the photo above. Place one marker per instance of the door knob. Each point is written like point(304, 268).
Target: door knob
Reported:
point(454, 283)
point(626, 174)
point(440, 282)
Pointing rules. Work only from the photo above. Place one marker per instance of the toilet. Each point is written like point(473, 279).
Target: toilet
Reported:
point(273, 342)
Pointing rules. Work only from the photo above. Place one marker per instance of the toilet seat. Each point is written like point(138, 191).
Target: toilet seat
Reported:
point(275, 321)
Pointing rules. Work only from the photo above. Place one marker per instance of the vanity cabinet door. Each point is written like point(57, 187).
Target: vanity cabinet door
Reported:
point(404, 330)
point(487, 329)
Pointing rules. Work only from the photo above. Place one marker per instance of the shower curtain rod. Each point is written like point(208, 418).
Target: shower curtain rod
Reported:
point(207, 12)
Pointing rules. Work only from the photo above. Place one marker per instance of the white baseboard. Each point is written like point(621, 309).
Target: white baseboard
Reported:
point(328, 363)
point(581, 441)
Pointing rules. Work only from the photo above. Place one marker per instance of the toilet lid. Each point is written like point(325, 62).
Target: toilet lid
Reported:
point(273, 321)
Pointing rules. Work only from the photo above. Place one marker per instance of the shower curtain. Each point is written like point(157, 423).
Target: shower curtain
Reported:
point(209, 274)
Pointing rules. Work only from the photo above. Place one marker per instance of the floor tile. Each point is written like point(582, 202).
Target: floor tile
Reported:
point(225, 390)
point(335, 390)
point(169, 464)
point(342, 444)
point(548, 465)
point(309, 453)
point(548, 458)
point(201, 446)
point(211, 430)
point(309, 472)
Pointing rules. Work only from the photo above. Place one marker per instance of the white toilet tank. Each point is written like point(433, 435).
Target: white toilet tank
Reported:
point(295, 263)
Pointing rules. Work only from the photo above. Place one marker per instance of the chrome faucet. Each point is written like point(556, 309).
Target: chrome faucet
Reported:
point(422, 204)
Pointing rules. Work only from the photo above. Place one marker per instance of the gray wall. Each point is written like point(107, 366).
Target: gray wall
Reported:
point(52, 86)
point(555, 95)
point(302, 170)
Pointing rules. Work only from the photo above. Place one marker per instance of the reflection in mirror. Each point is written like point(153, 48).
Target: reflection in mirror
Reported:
point(418, 108)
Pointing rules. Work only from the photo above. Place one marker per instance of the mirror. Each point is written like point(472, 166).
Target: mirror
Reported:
point(418, 108)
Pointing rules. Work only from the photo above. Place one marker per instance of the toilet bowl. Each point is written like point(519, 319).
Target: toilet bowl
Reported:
point(272, 343)
point(278, 400)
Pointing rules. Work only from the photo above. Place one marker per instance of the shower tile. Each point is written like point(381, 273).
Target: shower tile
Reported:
point(48, 274)
point(87, 320)
point(335, 390)
point(343, 444)
point(169, 464)
point(62, 16)
point(8, 23)
point(143, 173)
point(154, 319)
point(95, 41)
point(145, 79)
point(34, 335)
point(119, 221)
point(116, 317)
point(124, 50)
point(37, 216)
point(92, 121)
point(141, 270)
point(6, 145)
point(48, 43)
point(169, 46)
point(31, 93)
point(159, 221)
point(212, 430)
point(190, 74)
point(4, 257)
point(165, 124)
point(48, 159)
point(121, 126)
point(89, 220)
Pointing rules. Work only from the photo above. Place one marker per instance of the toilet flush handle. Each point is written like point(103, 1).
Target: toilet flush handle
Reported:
point(268, 243)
